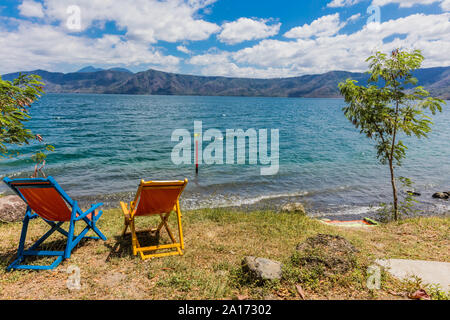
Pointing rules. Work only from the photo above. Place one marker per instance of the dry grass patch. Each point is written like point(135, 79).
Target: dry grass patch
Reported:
point(216, 242)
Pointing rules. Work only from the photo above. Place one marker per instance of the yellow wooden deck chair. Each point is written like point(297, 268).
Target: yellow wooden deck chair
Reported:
point(155, 198)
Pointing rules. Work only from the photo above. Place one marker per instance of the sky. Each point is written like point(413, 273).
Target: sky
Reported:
point(238, 38)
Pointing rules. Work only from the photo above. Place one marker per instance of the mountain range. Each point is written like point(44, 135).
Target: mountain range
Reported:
point(93, 69)
point(153, 82)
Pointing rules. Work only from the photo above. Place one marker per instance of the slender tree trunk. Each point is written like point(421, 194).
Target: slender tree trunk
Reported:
point(391, 163)
point(394, 190)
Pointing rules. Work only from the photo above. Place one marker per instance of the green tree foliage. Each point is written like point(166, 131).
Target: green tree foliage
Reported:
point(16, 98)
point(391, 105)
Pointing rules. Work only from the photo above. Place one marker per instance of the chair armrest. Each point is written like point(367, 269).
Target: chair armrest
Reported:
point(90, 210)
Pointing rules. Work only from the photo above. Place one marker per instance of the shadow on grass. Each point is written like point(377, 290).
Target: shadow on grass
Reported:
point(56, 245)
point(122, 247)
point(6, 258)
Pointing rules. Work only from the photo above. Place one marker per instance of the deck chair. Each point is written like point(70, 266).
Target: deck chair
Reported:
point(155, 198)
point(47, 200)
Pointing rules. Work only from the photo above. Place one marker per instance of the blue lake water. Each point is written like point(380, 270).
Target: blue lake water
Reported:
point(106, 143)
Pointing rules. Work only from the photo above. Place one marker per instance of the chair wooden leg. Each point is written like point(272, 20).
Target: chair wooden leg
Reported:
point(124, 231)
point(163, 220)
point(23, 237)
point(166, 226)
point(125, 227)
point(134, 241)
point(180, 229)
point(126, 218)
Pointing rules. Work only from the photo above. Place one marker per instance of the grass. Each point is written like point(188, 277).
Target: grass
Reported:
point(216, 242)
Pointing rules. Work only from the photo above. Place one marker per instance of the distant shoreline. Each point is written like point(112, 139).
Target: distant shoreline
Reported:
point(262, 202)
point(153, 82)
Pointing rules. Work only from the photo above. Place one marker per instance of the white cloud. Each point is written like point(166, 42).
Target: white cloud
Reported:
point(210, 58)
point(245, 29)
point(221, 64)
point(354, 17)
point(183, 49)
point(49, 43)
point(445, 5)
point(312, 48)
point(270, 58)
point(44, 46)
point(404, 3)
point(323, 26)
point(29, 8)
point(146, 20)
point(342, 3)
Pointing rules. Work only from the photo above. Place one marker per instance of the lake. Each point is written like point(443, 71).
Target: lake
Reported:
point(106, 143)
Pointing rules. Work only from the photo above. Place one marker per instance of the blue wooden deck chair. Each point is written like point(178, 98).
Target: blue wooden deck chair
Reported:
point(46, 199)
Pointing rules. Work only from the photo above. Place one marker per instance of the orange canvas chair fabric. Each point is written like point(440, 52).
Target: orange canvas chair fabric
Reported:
point(155, 198)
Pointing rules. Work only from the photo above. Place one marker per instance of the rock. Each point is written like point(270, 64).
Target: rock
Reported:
point(414, 193)
point(12, 209)
point(333, 253)
point(441, 195)
point(262, 269)
point(294, 208)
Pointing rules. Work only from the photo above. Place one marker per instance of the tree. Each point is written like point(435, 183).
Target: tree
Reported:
point(16, 98)
point(390, 105)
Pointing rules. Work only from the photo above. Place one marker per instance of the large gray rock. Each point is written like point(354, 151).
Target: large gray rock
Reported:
point(262, 268)
point(294, 208)
point(12, 209)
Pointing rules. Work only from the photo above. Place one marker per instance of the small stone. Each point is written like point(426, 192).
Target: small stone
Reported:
point(294, 208)
point(262, 268)
point(12, 209)
point(414, 193)
point(441, 195)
